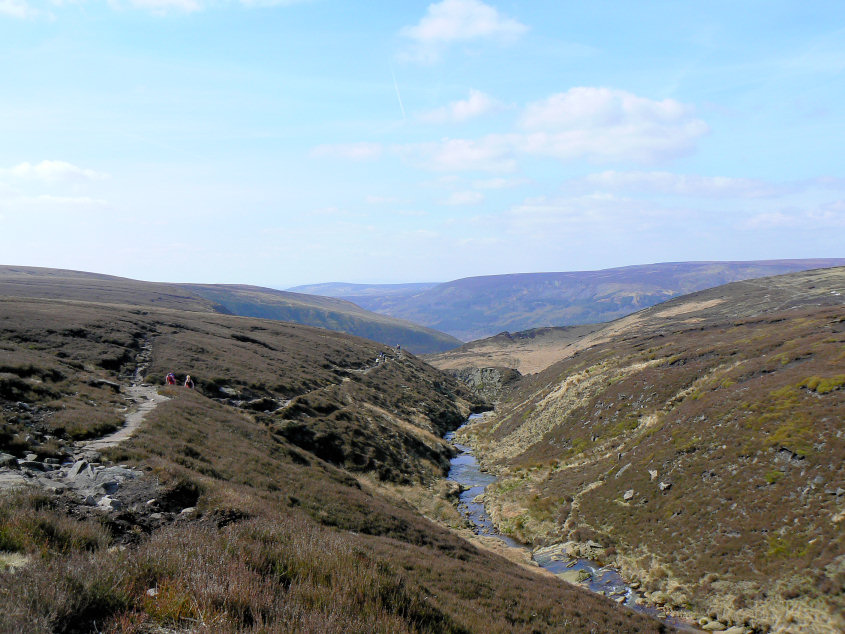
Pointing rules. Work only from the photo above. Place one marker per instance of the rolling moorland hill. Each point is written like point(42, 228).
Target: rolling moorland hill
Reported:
point(258, 501)
point(699, 446)
point(534, 350)
point(478, 307)
point(248, 301)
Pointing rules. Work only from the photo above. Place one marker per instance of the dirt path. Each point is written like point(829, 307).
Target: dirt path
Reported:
point(145, 397)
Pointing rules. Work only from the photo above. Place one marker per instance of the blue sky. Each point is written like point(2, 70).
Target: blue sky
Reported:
point(283, 143)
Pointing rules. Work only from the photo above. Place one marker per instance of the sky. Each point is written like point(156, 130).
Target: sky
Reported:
point(284, 142)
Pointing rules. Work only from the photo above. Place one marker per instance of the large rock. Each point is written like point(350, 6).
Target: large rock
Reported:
point(109, 504)
point(628, 495)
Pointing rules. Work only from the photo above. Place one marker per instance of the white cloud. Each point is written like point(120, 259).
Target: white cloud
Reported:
point(829, 214)
point(353, 151)
point(594, 124)
point(499, 183)
point(52, 171)
point(490, 154)
point(453, 21)
point(465, 198)
point(685, 184)
point(476, 104)
point(380, 200)
point(53, 201)
point(165, 6)
point(17, 9)
point(602, 124)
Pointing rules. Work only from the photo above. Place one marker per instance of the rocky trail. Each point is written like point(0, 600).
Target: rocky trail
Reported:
point(144, 395)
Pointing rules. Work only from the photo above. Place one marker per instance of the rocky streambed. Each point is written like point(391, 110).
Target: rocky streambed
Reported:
point(558, 559)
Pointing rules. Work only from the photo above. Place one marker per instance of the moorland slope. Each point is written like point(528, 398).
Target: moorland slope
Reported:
point(258, 501)
point(478, 307)
point(247, 301)
point(699, 446)
point(534, 350)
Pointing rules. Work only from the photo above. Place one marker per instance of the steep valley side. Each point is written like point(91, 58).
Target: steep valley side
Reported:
point(704, 458)
point(256, 501)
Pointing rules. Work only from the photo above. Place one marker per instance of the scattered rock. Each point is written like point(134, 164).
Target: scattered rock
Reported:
point(31, 464)
point(622, 470)
point(189, 513)
point(575, 576)
point(665, 486)
point(12, 480)
point(8, 460)
point(713, 626)
point(629, 495)
point(652, 474)
point(78, 466)
point(110, 504)
point(103, 383)
point(152, 592)
point(736, 629)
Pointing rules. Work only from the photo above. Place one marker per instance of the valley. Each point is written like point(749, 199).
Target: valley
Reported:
point(694, 447)
point(697, 445)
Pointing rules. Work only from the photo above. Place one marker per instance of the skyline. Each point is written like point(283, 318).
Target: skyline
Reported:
point(290, 143)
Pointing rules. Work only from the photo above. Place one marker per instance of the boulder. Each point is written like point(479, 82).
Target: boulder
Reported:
point(628, 495)
point(110, 504)
point(575, 576)
point(31, 464)
point(78, 466)
point(714, 626)
point(8, 460)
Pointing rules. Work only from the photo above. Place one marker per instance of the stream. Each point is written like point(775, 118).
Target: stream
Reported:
point(603, 579)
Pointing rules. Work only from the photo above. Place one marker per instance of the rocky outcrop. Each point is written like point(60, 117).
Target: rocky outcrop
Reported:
point(489, 383)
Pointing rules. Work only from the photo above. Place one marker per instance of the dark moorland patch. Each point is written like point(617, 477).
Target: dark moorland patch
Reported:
point(706, 454)
point(277, 534)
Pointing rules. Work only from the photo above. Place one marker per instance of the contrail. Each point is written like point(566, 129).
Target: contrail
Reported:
point(398, 96)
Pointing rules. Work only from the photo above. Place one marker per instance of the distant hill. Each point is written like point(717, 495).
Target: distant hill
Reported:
point(697, 446)
point(477, 307)
point(533, 350)
point(344, 290)
point(248, 301)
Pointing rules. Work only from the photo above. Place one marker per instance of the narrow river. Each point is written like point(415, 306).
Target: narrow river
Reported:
point(602, 579)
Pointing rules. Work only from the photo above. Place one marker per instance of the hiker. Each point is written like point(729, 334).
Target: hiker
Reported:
point(189, 383)
point(170, 379)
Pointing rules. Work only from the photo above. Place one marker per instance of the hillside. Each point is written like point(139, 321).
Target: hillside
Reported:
point(259, 501)
point(698, 446)
point(354, 291)
point(478, 307)
point(248, 301)
point(534, 350)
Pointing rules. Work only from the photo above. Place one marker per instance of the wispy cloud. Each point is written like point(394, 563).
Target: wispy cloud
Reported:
point(452, 21)
point(17, 9)
point(499, 183)
point(163, 7)
point(52, 171)
point(464, 198)
point(62, 201)
point(685, 184)
point(475, 105)
point(353, 151)
point(493, 153)
point(828, 214)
